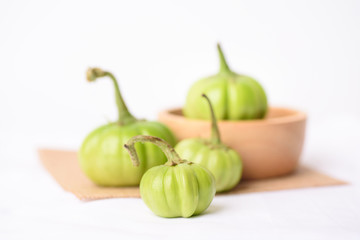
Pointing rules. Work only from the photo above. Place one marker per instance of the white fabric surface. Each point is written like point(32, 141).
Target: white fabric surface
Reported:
point(33, 205)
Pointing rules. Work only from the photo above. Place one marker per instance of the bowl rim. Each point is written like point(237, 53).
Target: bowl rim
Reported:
point(295, 116)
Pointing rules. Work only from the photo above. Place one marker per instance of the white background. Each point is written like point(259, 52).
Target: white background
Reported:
point(305, 53)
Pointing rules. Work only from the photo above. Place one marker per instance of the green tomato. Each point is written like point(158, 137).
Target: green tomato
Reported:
point(102, 156)
point(178, 188)
point(223, 162)
point(234, 96)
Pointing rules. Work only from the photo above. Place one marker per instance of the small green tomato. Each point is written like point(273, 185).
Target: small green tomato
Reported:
point(234, 96)
point(223, 162)
point(102, 156)
point(178, 188)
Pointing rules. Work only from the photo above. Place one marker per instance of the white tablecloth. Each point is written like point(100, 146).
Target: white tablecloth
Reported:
point(33, 205)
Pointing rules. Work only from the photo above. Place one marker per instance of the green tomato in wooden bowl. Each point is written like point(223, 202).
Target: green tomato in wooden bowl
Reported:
point(178, 188)
point(102, 156)
point(223, 162)
point(234, 96)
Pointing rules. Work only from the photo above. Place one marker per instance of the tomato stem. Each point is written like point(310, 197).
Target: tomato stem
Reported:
point(125, 117)
point(215, 133)
point(224, 67)
point(170, 153)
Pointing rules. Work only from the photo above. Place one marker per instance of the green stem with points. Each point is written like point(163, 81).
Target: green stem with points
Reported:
point(125, 117)
point(172, 157)
point(215, 133)
point(224, 67)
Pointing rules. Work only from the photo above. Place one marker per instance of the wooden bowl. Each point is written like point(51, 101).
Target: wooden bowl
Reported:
point(269, 147)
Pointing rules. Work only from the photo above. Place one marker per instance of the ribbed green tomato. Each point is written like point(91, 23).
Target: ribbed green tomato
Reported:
point(234, 96)
point(178, 188)
point(102, 156)
point(223, 162)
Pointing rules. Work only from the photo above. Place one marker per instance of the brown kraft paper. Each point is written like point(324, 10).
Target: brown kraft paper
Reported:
point(64, 167)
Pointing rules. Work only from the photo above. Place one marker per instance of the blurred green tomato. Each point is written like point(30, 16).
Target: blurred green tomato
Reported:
point(176, 189)
point(223, 162)
point(102, 156)
point(234, 96)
